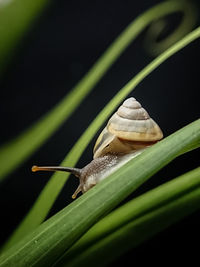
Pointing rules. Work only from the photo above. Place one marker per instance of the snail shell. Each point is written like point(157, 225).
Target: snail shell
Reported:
point(129, 129)
point(128, 133)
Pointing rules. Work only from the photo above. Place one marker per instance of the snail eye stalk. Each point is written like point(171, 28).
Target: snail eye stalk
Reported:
point(75, 171)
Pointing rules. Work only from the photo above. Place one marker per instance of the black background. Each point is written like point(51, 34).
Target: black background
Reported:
point(57, 51)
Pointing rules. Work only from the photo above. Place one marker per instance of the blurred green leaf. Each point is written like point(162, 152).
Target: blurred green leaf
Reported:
point(16, 18)
point(188, 20)
point(47, 197)
point(136, 221)
point(51, 239)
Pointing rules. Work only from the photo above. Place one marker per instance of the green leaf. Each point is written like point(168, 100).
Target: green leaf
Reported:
point(16, 17)
point(136, 221)
point(18, 14)
point(189, 18)
point(51, 239)
point(47, 197)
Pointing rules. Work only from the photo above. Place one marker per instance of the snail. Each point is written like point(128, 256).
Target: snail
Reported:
point(127, 134)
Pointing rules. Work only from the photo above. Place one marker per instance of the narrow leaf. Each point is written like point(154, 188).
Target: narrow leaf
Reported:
point(16, 17)
point(51, 239)
point(136, 221)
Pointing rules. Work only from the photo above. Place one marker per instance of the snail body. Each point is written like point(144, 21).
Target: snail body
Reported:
point(127, 134)
point(100, 168)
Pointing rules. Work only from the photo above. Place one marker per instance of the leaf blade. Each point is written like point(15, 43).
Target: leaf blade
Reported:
point(133, 234)
point(51, 239)
point(105, 237)
point(19, 15)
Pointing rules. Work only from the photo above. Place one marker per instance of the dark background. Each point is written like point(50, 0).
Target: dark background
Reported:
point(54, 55)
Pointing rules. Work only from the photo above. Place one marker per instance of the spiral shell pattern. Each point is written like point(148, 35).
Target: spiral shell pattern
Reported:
point(132, 122)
